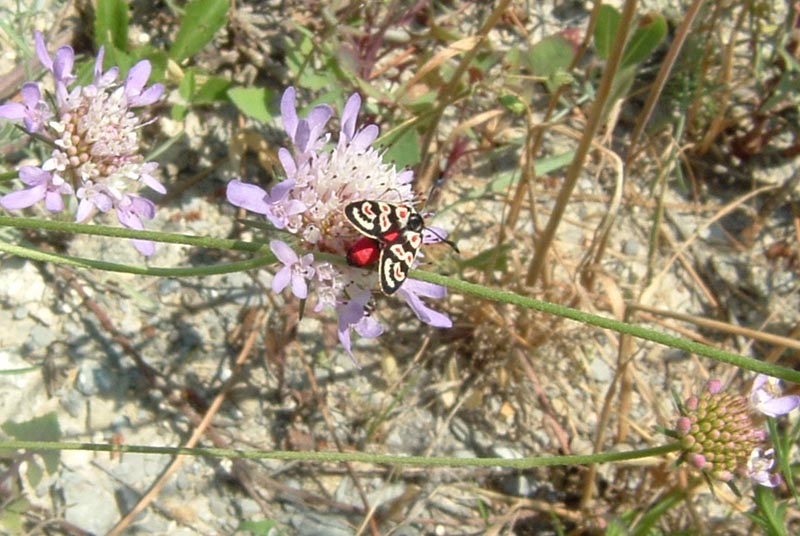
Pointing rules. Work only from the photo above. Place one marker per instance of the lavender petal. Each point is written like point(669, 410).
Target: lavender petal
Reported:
point(53, 201)
point(299, 286)
point(365, 137)
point(779, 406)
point(23, 198)
point(148, 96)
point(288, 112)
point(145, 247)
point(41, 52)
point(283, 252)
point(349, 118)
point(288, 163)
point(13, 111)
point(247, 196)
point(137, 78)
point(32, 175)
point(281, 279)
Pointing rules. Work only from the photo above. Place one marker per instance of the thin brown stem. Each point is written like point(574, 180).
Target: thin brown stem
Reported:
point(585, 143)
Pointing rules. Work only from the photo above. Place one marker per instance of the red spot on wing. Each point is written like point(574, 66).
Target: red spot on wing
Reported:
point(364, 252)
point(390, 237)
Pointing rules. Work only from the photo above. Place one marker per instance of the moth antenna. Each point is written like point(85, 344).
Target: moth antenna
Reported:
point(443, 239)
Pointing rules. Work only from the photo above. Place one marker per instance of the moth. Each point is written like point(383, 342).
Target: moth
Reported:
point(392, 237)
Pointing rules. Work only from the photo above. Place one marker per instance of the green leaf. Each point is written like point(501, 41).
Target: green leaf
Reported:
point(44, 428)
point(605, 31)
point(616, 528)
point(770, 516)
point(422, 104)
point(11, 516)
point(188, 84)
point(651, 31)
point(252, 102)
point(213, 90)
point(550, 55)
point(512, 103)
point(258, 528)
point(646, 523)
point(111, 24)
point(495, 257)
point(178, 112)
point(34, 473)
point(403, 147)
point(201, 20)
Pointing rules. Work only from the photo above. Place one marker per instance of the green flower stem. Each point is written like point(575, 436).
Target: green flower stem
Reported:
point(417, 461)
point(122, 232)
point(608, 323)
point(267, 258)
point(200, 271)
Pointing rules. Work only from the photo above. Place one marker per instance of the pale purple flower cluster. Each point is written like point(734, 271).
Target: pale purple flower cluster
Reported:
point(94, 134)
point(309, 203)
point(720, 432)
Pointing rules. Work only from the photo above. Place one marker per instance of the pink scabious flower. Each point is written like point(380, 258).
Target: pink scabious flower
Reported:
point(94, 132)
point(309, 205)
point(720, 434)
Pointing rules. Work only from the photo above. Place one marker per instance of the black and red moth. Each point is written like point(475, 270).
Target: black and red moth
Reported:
point(392, 236)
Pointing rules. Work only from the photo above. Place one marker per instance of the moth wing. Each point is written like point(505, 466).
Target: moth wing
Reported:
point(396, 260)
point(365, 217)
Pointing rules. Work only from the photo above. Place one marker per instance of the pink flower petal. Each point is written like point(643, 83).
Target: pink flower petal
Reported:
point(145, 247)
point(288, 112)
point(53, 201)
point(779, 406)
point(23, 198)
point(13, 111)
point(41, 52)
point(32, 175)
point(247, 196)
point(281, 279)
point(365, 137)
point(349, 118)
point(283, 252)
point(85, 210)
point(299, 286)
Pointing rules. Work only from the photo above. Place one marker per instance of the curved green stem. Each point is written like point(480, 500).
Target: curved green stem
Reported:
point(267, 258)
point(609, 323)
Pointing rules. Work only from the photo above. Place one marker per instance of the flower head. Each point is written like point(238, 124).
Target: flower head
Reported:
point(94, 133)
point(309, 204)
point(721, 436)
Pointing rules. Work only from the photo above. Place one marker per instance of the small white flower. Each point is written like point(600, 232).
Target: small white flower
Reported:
point(759, 466)
point(296, 270)
point(765, 396)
